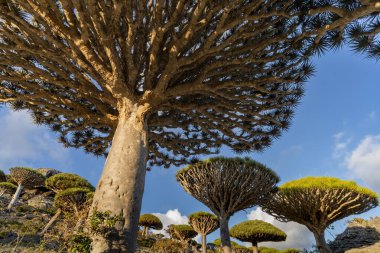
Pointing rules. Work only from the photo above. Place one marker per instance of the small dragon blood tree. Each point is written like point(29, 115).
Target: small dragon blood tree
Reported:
point(317, 202)
point(148, 221)
point(183, 232)
point(255, 231)
point(204, 223)
point(61, 182)
point(24, 177)
point(233, 184)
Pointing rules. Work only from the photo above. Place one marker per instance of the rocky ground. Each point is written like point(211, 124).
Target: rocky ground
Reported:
point(360, 236)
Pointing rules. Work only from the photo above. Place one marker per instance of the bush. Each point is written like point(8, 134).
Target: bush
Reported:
point(63, 181)
point(167, 246)
point(79, 243)
point(3, 178)
point(6, 187)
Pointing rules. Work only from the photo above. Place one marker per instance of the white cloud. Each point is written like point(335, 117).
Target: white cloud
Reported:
point(170, 217)
point(364, 160)
point(23, 142)
point(298, 236)
point(341, 144)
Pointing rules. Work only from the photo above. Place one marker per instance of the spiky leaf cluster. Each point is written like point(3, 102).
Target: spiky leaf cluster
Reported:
point(233, 184)
point(72, 200)
point(63, 181)
point(204, 223)
point(26, 177)
point(181, 232)
point(194, 66)
point(255, 231)
point(48, 172)
point(150, 221)
point(6, 187)
point(3, 177)
point(316, 202)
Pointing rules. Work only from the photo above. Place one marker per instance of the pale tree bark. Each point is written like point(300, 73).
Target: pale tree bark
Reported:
point(15, 197)
point(121, 186)
point(52, 220)
point(204, 245)
point(225, 235)
point(321, 242)
point(255, 249)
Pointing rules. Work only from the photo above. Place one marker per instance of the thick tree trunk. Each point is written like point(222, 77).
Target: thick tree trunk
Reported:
point(204, 244)
point(255, 249)
point(321, 242)
point(15, 197)
point(225, 235)
point(51, 221)
point(121, 186)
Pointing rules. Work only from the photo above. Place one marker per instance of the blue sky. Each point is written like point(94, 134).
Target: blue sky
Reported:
point(335, 132)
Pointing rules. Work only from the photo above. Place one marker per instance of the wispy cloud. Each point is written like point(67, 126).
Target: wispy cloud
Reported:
point(364, 160)
point(341, 143)
point(298, 236)
point(23, 143)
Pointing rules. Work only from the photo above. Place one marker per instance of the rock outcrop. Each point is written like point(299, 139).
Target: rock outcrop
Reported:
point(361, 236)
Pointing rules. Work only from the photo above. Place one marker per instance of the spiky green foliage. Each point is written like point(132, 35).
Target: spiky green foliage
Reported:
point(72, 199)
point(26, 177)
point(255, 231)
point(268, 250)
point(6, 187)
point(181, 232)
point(150, 221)
point(3, 177)
point(203, 222)
point(325, 184)
point(218, 243)
point(63, 181)
point(291, 250)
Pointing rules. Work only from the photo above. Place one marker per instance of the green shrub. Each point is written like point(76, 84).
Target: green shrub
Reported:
point(6, 187)
point(79, 243)
point(26, 177)
point(3, 178)
point(103, 222)
point(63, 181)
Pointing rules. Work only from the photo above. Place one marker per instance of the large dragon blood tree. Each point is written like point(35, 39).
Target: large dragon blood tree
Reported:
point(163, 80)
point(317, 202)
point(233, 184)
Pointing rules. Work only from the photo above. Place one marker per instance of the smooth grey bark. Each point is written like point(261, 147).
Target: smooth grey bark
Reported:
point(121, 186)
point(321, 242)
point(15, 196)
point(225, 235)
point(204, 244)
point(255, 249)
point(51, 221)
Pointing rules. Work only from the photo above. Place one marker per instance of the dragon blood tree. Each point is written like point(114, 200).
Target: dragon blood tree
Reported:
point(24, 177)
point(255, 231)
point(162, 81)
point(60, 182)
point(182, 232)
point(233, 184)
point(148, 221)
point(203, 223)
point(317, 202)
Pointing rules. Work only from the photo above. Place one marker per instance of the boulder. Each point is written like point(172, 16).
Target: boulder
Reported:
point(41, 202)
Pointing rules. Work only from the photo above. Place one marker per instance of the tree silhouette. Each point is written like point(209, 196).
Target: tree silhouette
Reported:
point(255, 231)
point(317, 202)
point(233, 184)
point(161, 79)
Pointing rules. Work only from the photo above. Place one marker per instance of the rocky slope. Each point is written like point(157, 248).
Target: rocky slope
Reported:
point(360, 236)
